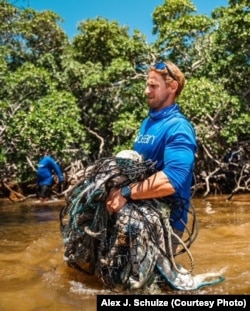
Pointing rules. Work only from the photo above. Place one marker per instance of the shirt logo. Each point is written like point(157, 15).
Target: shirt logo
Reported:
point(145, 139)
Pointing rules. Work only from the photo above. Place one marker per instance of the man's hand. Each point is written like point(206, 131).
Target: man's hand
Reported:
point(115, 201)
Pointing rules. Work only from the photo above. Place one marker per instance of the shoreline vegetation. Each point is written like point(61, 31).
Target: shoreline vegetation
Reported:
point(83, 99)
point(226, 181)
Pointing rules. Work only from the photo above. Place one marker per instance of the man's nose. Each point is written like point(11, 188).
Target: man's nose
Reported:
point(147, 91)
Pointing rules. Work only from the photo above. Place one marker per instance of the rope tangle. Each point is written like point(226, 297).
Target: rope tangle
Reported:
point(123, 248)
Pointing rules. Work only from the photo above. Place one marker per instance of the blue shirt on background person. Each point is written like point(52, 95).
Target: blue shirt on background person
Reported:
point(47, 167)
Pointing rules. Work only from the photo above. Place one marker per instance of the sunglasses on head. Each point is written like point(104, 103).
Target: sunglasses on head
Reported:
point(163, 66)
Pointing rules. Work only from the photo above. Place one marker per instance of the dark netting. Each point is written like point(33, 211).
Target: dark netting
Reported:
point(123, 248)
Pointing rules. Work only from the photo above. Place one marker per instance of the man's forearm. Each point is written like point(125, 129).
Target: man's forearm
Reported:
point(155, 186)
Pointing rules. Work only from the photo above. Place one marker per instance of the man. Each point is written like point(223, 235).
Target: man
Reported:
point(47, 166)
point(165, 136)
point(138, 240)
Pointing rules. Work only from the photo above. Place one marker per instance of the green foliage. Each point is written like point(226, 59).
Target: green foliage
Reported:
point(104, 77)
point(28, 35)
point(230, 58)
point(213, 111)
point(36, 114)
point(178, 30)
point(36, 109)
point(102, 41)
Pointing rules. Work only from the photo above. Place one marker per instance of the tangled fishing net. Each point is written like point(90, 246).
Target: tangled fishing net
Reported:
point(131, 248)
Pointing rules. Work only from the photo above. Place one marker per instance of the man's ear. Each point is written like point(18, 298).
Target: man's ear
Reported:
point(173, 86)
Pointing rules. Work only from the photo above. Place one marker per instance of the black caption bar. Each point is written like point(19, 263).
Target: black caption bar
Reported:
point(202, 302)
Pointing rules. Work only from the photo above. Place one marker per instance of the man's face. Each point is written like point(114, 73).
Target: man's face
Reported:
point(158, 92)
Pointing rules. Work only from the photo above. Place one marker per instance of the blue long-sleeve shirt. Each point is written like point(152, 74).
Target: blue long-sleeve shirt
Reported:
point(166, 136)
point(47, 166)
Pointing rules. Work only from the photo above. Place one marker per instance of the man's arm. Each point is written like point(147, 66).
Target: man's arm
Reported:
point(155, 186)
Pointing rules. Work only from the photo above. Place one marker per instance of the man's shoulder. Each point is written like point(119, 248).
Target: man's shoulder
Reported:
point(49, 159)
point(179, 118)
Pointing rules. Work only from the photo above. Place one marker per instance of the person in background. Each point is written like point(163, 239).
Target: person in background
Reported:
point(47, 167)
point(167, 137)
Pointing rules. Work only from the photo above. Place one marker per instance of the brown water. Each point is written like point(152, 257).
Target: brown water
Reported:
point(34, 277)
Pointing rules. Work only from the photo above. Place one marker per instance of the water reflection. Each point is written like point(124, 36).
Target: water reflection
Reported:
point(34, 276)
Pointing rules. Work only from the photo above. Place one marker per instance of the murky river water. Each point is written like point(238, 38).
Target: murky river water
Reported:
point(34, 277)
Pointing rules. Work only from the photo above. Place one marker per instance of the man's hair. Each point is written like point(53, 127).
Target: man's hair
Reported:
point(43, 150)
point(174, 72)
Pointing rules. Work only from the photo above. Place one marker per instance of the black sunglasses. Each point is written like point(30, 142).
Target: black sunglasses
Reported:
point(163, 66)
